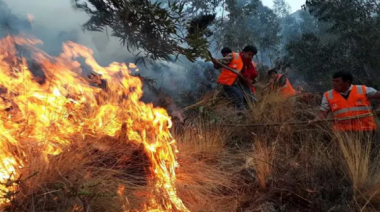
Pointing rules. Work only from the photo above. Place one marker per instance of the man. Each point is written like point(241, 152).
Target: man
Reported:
point(249, 70)
point(349, 103)
point(279, 82)
point(241, 63)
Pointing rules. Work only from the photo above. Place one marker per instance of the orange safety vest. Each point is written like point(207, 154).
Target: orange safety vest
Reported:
point(356, 104)
point(226, 77)
point(287, 90)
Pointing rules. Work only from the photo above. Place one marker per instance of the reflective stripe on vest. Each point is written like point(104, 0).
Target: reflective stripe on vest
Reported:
point(352, 109)
point(227, 77)
point(355, 105)
point(330, 94)
point(358, 88)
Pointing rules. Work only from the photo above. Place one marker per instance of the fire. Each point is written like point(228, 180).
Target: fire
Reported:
point(45, 115)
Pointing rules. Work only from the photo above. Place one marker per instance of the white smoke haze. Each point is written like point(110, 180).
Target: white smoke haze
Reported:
point(56, 21)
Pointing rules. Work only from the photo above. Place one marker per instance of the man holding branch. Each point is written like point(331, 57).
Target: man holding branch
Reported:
point(238, 73)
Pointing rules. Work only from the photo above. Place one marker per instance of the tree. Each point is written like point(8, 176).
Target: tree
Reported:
point(281, 8)
point(346, 37)
point(248, 22)
point(266, 29)
point(201, 6)
point(232, 29)
point(154, 28)
point(290, 26)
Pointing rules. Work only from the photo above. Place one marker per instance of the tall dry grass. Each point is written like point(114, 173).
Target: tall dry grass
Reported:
point(360, 153)
point(310, 167)
point(205, 181)
point(222, 167)
point(84, 177)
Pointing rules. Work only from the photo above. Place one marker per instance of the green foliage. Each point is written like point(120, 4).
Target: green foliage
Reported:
point(281, 8)
point(202, 6)
point(155, 29)
point(342, 36)
point(249, 22)
point(233, 30)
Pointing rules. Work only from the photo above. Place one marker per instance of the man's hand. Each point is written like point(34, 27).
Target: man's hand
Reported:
point(320, 116)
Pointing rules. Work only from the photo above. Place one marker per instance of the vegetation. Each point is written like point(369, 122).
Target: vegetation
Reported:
point(155, 29)
point(345, 37)
point(222, 168)
point(226, 163)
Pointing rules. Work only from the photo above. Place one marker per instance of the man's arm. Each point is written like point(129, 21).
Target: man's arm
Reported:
point(324, 110)
point(374, 94)
point(225, 61)
point(321, 115)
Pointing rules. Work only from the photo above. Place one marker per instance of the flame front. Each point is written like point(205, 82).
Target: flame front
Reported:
point(47, 114)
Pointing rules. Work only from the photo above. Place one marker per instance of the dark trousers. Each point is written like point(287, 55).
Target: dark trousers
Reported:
point(238, 93)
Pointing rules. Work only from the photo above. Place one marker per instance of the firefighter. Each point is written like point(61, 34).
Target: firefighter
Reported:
point(346, 101)
point(232, 86)
point(280, 83)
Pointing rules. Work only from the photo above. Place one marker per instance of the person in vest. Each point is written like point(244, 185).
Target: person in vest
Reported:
point(280, 83)
point(249, 71)
point(229, 80)
point(347, 101)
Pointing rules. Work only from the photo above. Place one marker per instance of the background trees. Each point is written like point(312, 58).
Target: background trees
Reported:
point(345, 37)
point(324, 37)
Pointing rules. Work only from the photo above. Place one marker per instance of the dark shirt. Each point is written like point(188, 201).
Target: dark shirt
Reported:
point(345, 96)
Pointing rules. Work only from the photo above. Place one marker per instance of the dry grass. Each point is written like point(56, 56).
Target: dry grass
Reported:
point(303, 168)
point(86, 176)
point(261, 160)
point(362, 164)
point(222, 168)
point(204, 181)
point(357, 157)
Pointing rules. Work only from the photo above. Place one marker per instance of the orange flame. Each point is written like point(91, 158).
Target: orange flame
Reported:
point(66, 104)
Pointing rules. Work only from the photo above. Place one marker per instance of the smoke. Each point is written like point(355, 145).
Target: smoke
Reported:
point(56, 21)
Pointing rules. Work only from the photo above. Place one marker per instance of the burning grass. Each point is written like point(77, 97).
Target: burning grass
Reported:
point(84, 178)
point(67, 146)
point(59, 129)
